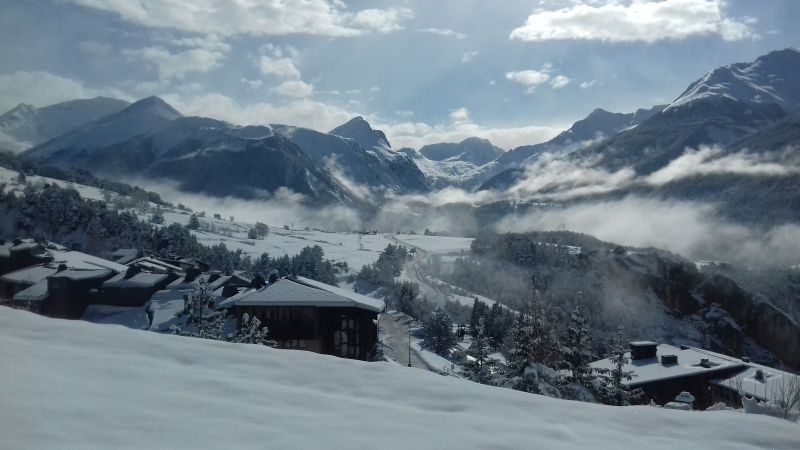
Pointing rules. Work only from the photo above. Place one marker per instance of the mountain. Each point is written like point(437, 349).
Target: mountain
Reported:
point(769, 80)
point(597, 126)
point(26, 125)
point(453, 164)
point(374, 166)
point(472, 150)
point(362, 133)
point(216, 158)
point(79, 145)
point(726, 105)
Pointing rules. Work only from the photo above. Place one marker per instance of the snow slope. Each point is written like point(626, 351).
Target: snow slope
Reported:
point(120, 388)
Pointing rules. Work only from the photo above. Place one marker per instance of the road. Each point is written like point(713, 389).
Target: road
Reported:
point(394, 331)
point(414, 273)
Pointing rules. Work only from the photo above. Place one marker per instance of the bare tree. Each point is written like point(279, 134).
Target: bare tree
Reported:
point(786, 395)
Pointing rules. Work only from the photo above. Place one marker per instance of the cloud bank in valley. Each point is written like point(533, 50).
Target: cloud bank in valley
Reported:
point(693, 229)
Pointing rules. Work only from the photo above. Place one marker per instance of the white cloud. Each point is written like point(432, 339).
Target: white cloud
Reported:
point(529, 78)
point(532, 78)
point(301, 112)
point(280, 67)
point(257, 18)
point(252, 84)
point(94, 48)
point(443, 32)
point(42, 88)
point(382, 20)
point(588, 84)
point(279, 62)
point(323, 116)
point(469, 56)
point(460, 115)
point(559, 81)
point(417, 134)
point(294, 88)
point(637, 20)
point(171, 65)
point(708, 160)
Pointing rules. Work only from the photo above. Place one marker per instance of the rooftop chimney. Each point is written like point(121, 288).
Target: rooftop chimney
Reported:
point(643, 350)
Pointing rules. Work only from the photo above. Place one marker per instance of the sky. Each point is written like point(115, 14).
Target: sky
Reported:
point(515, 72)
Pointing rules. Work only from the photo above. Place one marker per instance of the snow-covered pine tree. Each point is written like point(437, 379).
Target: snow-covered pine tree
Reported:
point(439, 336)
point(251, 332)
point(479, 367)
point(576, 349)
point(615, 391)
point(533, 353)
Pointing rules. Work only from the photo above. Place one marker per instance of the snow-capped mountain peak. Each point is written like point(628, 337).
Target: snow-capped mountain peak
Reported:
point(359, 130)
point(770, 79)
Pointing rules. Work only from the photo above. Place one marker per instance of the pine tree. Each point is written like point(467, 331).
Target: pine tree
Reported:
point(251, 332)
point(576, 349)
point(480, 367)
point(615, 390)
point(439, 336)
point(194, 222)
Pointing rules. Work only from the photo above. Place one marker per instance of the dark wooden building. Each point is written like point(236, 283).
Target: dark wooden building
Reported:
point(663, 371)
point(308, 315)
point(70, 291)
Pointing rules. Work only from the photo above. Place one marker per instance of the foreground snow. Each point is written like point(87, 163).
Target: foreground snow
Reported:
point(71, 384)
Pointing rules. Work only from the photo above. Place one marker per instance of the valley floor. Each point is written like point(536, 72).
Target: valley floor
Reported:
point(75, 385)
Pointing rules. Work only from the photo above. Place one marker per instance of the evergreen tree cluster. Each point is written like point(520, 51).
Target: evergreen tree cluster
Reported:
point(79, 176)
point(389, 265)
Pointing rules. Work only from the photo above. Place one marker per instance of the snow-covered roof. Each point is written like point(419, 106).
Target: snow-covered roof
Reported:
point(34, 293)
point(29, 275)
point(368, 302)
point(689, 363)
point(76, 274)
point(155, 264)
point(141, 279)
point(127, 316)
point(80, 260)
point(125, 255)
point(305, 292)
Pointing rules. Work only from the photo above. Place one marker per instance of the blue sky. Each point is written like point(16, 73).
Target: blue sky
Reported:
point(425, 71)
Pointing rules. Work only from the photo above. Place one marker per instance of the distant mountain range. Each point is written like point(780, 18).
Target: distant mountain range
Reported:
point(25, 125)
point(752, 107)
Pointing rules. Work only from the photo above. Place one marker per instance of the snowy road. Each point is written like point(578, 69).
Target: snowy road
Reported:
point(394, 330)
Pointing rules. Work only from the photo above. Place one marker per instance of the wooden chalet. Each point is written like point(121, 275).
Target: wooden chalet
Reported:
point(309, 315)
point(664, 372)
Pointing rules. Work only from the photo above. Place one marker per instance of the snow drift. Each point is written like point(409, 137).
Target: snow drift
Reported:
point(68, 384)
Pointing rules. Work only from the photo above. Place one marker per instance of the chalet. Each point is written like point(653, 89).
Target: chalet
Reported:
point(132, 288)
point(309, 315)
point(21, 253)
point(71, 290)
point(19, 280)
point(664, 373)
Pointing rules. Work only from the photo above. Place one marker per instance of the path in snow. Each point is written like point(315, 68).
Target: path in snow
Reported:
point(394, 328)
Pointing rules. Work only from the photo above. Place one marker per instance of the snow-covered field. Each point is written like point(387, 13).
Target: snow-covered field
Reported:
point(9, 177)
point(436, 244)
point(76, 385)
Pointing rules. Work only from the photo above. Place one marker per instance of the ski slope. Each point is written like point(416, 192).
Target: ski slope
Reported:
point(76, 385)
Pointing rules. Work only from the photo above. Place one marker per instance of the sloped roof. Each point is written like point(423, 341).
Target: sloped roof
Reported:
point(79, 260)
point(286, 292)
point(75, 274)
point(29, 275)
point(651, 369)
point(33, 293)
point(141, 279)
